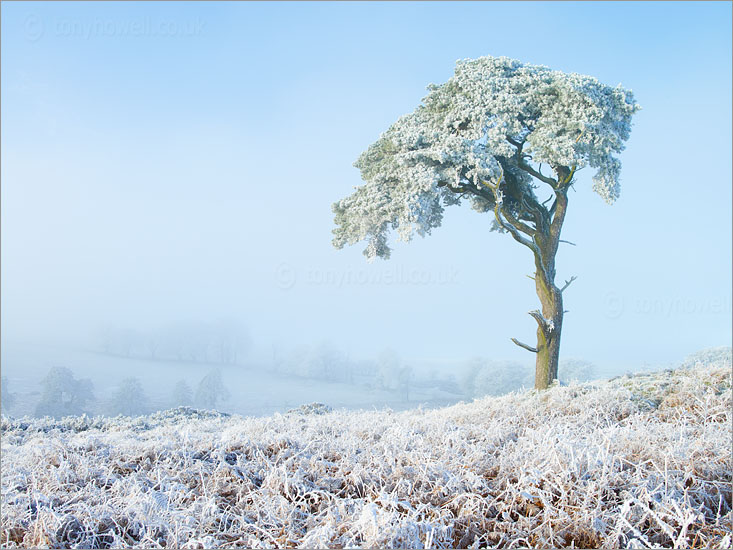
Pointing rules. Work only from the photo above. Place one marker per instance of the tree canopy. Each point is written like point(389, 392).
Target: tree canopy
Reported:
point(494, 123)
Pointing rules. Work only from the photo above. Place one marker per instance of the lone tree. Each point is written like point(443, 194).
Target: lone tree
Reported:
point(182, 395)
point(129, 399)
point(211, 390)
point(484, 137)
point(64, 395)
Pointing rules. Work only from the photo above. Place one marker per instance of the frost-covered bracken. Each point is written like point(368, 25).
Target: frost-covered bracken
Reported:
point(636, 462)
point(485, 136)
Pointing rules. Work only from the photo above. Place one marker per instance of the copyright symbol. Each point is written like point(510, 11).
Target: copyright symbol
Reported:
point(285, 276)
point(33, 27)
point(614, 305)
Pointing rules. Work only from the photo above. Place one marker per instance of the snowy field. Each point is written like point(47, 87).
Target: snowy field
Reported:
point(640, 461)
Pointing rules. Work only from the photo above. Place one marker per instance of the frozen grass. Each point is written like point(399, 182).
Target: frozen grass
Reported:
point(642, 461)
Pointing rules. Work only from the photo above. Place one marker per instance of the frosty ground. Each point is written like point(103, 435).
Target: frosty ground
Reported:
point(637, 461)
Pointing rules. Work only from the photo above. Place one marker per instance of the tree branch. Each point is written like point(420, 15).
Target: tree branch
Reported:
point(542, 221)
point(552, 182)
point(526, 197)
point(541, 321)
point(521, 226)
point(462, 189)
point(526, 167)
point(518, 144)
point(525, 346)
point(505, 224)
point(513, 231)
point(568, 283)
point(567, 242)
point(537, 212)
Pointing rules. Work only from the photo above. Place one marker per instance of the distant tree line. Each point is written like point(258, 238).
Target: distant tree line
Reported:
point(325, 362)
point(477, 377)
point(225, 343)
point(62, 394)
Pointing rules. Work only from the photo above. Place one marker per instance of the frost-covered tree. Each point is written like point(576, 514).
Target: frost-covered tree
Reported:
point(7, 399)
point(499, 378)
point(404, 377)
point(488, 136)
point(327, 362)
point(389, 365)
point(484, 377)
point(63, 395)
point(182, 395)
point(211, 390)
point(129, 399)
point(467, 381)
point(577, 370)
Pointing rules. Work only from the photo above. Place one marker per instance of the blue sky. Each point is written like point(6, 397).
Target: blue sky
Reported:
point(165, 161)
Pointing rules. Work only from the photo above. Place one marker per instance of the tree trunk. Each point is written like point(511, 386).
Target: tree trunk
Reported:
point(549, 330)
point(549, 323)
point(543, 239)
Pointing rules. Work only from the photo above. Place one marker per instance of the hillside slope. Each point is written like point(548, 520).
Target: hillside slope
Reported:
point(632, 462)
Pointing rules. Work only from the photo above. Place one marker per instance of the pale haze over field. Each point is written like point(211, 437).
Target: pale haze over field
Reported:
point(168, 163)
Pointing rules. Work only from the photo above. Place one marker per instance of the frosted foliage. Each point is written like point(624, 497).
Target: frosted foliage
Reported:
point(459, 135)
point(636, 462)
